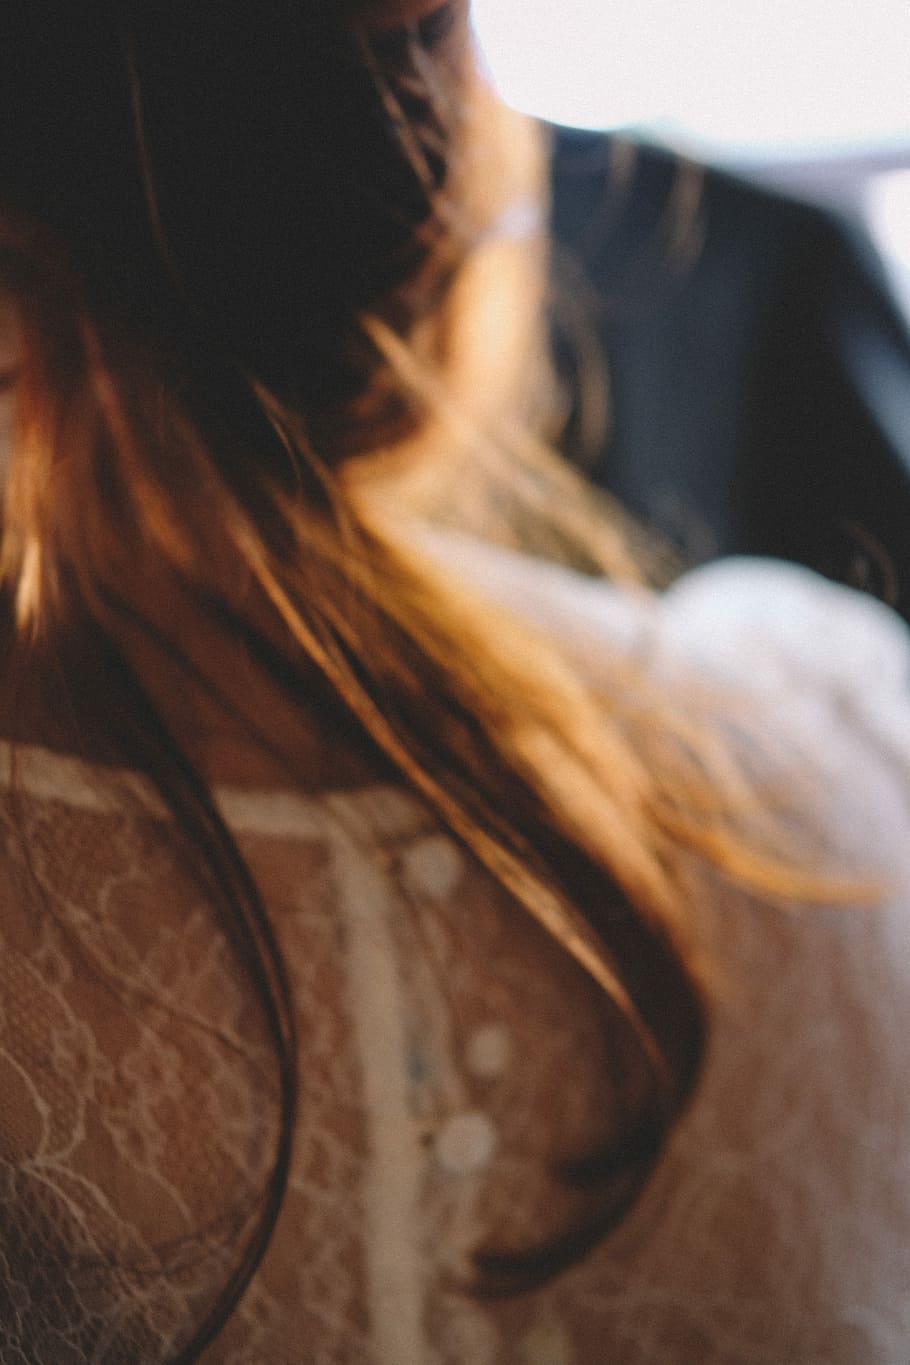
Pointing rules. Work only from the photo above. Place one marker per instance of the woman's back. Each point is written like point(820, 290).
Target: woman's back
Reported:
point(404, 956)
point(443, 1080)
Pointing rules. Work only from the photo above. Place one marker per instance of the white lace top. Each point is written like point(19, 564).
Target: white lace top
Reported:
point(449, 1053)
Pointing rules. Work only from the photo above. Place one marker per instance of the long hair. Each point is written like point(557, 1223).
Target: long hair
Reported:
point(288, 511)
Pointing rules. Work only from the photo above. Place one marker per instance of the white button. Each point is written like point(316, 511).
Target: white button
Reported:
point(466, 1142)
point(432, 866)
point(488, 1051)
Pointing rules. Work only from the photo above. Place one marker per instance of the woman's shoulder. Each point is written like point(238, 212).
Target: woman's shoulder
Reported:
point(824, 667)
point(812, 677)
point(741, 617)
point(764, 622)
point(760, 626)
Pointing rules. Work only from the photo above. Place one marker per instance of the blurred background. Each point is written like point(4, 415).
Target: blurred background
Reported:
point(808, 94)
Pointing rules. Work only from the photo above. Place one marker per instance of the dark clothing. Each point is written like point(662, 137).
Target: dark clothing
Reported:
point(758, 370)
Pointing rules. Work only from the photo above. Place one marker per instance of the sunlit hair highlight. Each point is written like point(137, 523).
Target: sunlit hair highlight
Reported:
point(588, 807)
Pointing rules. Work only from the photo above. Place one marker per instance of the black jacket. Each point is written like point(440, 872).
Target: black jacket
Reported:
point(758, 370)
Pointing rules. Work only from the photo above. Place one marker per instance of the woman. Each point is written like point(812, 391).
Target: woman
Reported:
point(402, 953)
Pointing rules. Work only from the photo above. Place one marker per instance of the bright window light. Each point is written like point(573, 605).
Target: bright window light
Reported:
point(795, 74)
point(888, 215)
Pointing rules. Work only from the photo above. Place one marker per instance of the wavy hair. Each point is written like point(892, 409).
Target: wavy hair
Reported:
point(290, 521)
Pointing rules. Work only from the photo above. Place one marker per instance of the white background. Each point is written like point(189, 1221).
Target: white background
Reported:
point(813, 92)
point(740, 73)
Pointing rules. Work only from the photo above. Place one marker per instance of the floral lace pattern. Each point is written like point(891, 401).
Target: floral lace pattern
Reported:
point(450, 1056)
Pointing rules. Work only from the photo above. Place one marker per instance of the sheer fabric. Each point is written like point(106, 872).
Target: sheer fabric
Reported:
point(450, 1055)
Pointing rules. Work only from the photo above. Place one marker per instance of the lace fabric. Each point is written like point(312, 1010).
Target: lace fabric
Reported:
point(137, 1084)
point(450, 1055)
